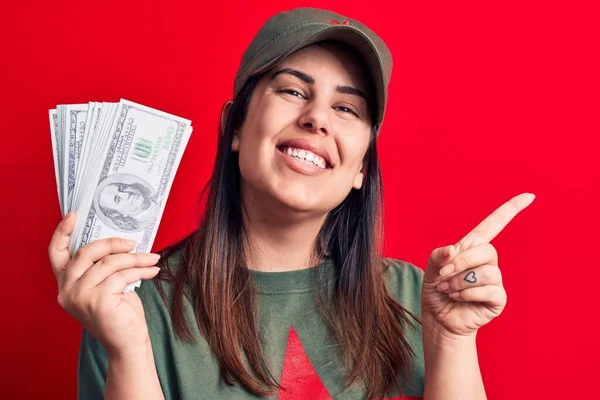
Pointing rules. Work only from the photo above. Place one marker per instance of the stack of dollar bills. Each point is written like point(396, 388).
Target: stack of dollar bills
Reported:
point(114, 165)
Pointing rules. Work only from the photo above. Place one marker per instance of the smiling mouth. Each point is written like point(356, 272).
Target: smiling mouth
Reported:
point(305, 156)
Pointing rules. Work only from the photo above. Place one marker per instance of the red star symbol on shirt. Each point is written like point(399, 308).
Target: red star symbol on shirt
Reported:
point(299, 379)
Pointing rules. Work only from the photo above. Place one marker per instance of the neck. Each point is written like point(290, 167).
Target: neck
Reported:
point(280, 240)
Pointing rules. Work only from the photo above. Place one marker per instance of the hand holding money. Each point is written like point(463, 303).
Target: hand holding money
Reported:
point(91, 283)
point(114, 165)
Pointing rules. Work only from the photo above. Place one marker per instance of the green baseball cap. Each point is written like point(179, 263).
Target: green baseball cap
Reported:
point(289, 31)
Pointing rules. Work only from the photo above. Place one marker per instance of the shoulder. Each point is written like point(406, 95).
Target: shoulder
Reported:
point(403, 281)
point(403, 269)
point(156, 294)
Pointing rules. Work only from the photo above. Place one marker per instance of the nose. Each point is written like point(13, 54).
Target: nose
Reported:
point(315, 119)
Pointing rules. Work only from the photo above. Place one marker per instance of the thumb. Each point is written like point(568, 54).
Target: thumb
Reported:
point(58, 250)
point(438, 258)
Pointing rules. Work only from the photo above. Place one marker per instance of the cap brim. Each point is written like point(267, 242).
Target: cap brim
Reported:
point(346, 34)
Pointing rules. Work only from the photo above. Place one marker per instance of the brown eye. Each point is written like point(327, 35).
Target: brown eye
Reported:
point(346, 110)
point(292, 92)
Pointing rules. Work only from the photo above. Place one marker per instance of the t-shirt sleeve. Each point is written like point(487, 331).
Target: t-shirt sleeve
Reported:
point(92, 368)
point(404, 281)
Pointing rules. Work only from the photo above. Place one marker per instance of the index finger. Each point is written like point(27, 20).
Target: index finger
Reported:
point(58, 250)
point(490, 227)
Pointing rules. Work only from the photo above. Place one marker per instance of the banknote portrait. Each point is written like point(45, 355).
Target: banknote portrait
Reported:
point(126, 203)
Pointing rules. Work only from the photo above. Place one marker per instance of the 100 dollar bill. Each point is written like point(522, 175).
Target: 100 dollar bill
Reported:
point(75, 116)
point(127, 195)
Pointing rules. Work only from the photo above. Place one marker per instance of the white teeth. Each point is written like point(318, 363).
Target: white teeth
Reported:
point(306, 156)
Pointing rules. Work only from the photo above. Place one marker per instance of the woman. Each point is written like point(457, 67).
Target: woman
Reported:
point(281, 291)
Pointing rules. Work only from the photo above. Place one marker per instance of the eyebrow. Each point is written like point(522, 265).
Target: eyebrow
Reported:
point(310, 80)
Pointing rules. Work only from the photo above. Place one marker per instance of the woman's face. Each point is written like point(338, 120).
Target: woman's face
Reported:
point(306, 131)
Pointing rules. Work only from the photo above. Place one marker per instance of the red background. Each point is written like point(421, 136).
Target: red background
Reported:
point(487, 101)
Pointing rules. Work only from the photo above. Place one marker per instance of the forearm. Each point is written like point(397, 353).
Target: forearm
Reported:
point(132, 376)
point(451, 366)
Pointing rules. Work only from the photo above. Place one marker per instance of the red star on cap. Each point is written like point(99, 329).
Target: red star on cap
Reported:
point(332, 21)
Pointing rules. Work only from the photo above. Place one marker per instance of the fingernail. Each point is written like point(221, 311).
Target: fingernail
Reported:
point(447, 269)
point(130, 242)
point(155, 256)
point(442, 287)
point(454, 295)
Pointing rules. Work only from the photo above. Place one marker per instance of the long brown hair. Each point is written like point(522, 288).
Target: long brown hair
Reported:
point(365, 321)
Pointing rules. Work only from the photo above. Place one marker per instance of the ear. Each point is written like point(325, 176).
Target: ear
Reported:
point(360, 176)
point(225, 113)
point(235, 144)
